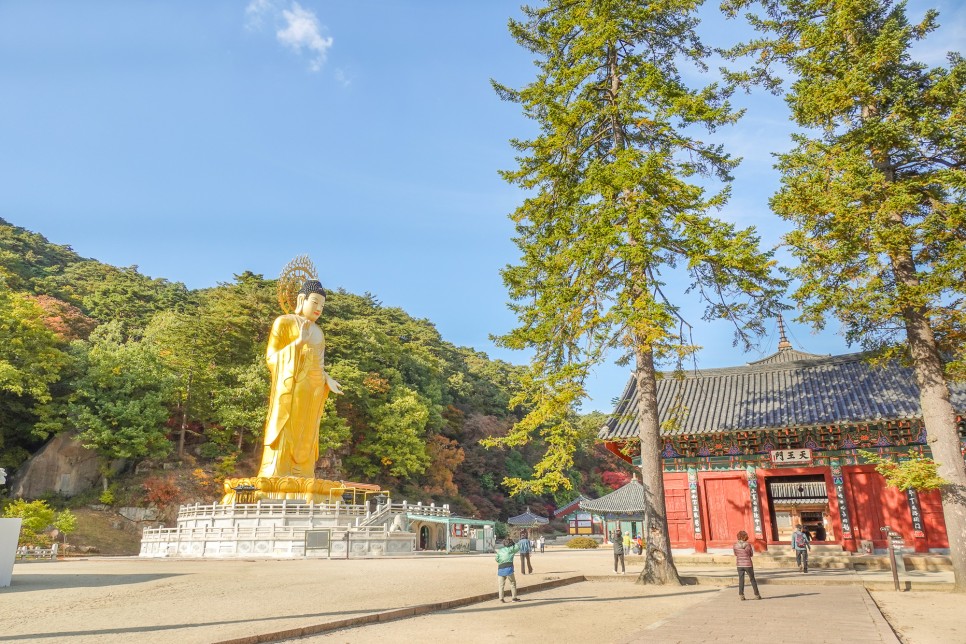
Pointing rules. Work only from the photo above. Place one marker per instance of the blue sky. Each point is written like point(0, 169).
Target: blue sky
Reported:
point(202, 139)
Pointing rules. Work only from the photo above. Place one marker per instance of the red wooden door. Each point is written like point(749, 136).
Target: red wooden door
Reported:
point(867, 494)
point(728, 509)
point(678, 506)
point(932, 517)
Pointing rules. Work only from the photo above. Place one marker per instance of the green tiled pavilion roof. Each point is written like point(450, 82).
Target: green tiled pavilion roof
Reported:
point(628, 499)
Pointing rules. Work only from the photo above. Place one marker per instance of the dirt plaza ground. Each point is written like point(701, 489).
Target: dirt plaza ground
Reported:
point(187, 601)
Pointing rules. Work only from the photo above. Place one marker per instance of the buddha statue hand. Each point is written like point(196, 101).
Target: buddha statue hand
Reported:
point(334, 386)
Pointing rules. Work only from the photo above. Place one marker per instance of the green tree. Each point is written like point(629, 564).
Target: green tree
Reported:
point(188, 344)
point(26, 257)
point(395, 440)
point(616, 222)
point(108, 293)
point(913, 472)
point(240, 405)
point(876, 189)
point(31, 361)
point(36, 519)
point(122, 400)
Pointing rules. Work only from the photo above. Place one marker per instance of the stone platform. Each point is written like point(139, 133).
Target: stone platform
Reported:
point(284, 529)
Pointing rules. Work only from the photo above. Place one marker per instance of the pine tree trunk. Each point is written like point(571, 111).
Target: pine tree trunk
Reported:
point(942, 435)
point(938, 415)
point(658, 563)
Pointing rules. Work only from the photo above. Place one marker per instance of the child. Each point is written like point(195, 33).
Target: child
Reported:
point(504, 567)
point(744, 552)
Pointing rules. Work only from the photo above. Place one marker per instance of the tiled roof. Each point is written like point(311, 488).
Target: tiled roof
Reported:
point(570, 507)
point(528, 518)
point(787, 389)
point(628, 499)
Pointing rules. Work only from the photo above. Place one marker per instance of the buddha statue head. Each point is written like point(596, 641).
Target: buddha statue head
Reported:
point(310, 300)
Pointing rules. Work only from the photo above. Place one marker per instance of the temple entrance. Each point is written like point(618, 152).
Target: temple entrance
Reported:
point(424, 538)
point(799, 499)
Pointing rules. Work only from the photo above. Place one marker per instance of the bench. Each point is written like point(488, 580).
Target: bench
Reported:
point(39, 553)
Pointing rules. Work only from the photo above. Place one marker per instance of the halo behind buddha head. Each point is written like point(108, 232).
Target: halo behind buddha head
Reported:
point(294, 276)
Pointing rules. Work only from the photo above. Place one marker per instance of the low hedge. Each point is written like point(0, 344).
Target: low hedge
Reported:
point(581, 542)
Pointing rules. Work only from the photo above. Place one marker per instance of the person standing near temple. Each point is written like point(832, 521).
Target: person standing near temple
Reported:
point(801, 546)
point(619, 552)
point(504, 568)
point(744, 552)
point(526, 547)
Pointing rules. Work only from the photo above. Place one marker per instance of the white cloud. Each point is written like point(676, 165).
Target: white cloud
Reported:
point(255, 13)
point(302, 33)
point(343, 77)
point(299, 28)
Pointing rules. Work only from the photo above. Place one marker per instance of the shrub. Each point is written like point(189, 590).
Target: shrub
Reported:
point(107, 496)
point(38, 518)
point(161, 492)
point(582, 542)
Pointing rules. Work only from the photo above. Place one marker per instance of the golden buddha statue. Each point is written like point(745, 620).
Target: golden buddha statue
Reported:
point(300, 387)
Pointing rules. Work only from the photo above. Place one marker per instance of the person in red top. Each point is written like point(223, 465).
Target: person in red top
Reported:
point(744, 552)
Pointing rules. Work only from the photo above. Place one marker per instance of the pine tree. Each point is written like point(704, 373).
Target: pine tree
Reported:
point(876, 188)
point(616, 228)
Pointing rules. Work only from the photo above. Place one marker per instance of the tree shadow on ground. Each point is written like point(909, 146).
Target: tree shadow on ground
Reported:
point(29, 637)
point(28, 582)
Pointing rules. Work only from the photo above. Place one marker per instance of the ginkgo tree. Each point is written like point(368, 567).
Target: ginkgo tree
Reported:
point(616, 230)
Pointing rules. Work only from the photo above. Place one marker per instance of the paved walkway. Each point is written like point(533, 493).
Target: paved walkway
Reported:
point(106, 600)
point(813, 614)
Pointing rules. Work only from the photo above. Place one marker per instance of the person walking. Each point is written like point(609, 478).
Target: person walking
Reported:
point(543, 543)
point(619, 553)
point(526, 547)
point(744, 552)
point(801, 544)
point(504, 568)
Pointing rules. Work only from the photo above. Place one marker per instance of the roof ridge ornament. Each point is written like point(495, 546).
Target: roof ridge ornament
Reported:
point(783, 343)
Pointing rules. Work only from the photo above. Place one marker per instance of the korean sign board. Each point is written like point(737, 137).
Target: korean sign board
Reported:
point(791, 456)
point(916, 511)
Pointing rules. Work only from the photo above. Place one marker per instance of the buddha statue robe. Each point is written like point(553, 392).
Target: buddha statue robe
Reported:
point(299, 389)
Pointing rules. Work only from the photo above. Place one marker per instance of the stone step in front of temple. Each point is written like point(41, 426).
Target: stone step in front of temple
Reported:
point(841, 561)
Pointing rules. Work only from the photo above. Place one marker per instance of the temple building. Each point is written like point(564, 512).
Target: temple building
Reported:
point(765, 446)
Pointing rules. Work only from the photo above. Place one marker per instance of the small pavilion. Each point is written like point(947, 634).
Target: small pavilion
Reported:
point(528, 520)
point(622, 509)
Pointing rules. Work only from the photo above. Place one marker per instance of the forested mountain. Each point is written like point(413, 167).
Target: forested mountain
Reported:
point(148, 369)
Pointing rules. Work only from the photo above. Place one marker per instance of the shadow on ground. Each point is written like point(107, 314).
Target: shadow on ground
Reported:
point(24, 583)
point(30, 637)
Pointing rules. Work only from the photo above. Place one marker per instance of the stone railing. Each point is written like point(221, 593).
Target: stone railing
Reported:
point(272, 541)
point(257, 510)
point(431, 510)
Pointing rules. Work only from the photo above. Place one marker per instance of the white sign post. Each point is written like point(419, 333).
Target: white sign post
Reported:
point(9, 535)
